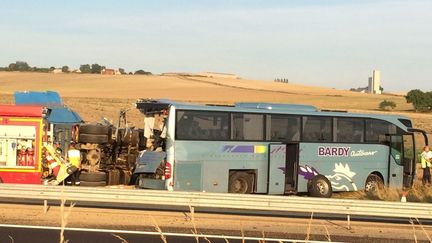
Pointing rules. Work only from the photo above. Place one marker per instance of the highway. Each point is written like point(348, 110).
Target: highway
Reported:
point(36, 234)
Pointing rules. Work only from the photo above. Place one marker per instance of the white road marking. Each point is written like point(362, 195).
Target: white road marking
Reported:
point(156, 233)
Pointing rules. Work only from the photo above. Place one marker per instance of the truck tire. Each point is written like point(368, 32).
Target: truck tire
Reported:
point(96, 129)
point(91, 138)
point(93, 176)
point(319, 186)
point(93, 183)
point(125, 177)
point(113, 177)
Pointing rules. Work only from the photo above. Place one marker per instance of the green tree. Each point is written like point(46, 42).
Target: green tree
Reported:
point(65, 69)
point(387, 105)
point(96, 68)
point(122, 71)
point(142, 72)
point(85, 68)
point(421, 101)
point(12, 67)
point(19, 66)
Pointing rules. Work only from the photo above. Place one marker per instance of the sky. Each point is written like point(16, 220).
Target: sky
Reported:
point(330, 43)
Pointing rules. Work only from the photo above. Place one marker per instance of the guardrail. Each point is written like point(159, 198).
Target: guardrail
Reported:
point(138, 198)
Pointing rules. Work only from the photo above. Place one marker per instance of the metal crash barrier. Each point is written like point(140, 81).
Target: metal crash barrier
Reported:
point(216, 202)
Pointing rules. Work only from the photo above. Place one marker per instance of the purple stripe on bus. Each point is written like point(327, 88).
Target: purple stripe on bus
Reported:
point(244, 149)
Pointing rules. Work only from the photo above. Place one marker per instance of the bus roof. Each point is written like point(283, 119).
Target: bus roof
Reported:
point(274, 108)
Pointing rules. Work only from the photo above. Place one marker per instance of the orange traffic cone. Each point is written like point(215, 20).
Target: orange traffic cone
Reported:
point(403, 198)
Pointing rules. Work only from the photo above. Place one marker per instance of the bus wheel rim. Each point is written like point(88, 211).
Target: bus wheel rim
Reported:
point(322, 187)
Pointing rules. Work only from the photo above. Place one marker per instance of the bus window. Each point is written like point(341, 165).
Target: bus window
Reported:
point(247, 127)
point(317, 129)
point(283, 128)
point(201, 125)
point(349, 130)
point(376, 129)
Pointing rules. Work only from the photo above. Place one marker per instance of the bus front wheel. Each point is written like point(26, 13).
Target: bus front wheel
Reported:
point(319, 186)
point(241, 182)
point(373, 183)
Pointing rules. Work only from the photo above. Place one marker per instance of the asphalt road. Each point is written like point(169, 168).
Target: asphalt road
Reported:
point(46, 235)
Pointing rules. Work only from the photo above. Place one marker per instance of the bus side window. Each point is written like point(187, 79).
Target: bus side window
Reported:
point(349, 130)
point(248, 127)
point(376, 129)
point(317, 129)
point(202, 125)
point(283, 128)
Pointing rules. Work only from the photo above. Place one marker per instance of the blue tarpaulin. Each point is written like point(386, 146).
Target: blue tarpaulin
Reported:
point(47, 98)
point(62, 115)
point(59, 113)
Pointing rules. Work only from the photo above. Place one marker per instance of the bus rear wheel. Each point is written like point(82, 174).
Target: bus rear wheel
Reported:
point(240, 182)
point(319, 186)
point(373, 183)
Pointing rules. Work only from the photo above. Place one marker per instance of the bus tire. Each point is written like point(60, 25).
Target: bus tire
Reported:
point(91, 138)
point(240, 182)
point(93, 183)
point(93, 176)
point(373, 183)
point(319, 186)
point(96, 129)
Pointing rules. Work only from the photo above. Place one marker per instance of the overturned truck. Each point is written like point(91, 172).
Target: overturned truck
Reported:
point(109, 153)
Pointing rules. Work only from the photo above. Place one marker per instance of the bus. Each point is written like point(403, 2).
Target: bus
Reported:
point(268, 148)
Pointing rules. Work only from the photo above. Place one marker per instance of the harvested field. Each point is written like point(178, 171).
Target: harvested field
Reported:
point(95, 96)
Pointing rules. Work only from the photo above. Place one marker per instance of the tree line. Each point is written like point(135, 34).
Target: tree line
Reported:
point(21, 66)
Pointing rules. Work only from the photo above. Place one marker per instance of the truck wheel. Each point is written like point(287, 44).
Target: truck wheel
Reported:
point(113, 177)
point(96, 129)
point(93, 176)
point(319, 186)
point(240, 182)
point(91, 138)
point(93, 183)
point(373, 183)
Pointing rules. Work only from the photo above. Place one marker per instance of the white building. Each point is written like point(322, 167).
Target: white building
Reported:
point(374, 83)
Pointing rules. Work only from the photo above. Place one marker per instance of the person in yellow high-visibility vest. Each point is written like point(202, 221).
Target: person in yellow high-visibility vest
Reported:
point(426, 160)
point(74, 157)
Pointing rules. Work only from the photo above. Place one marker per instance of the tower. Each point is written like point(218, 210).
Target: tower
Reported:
point(370, 86)
point(376, 81)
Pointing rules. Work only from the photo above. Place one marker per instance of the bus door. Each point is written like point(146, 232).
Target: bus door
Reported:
point(408, 157)
point(395, 166)
point(282, 171)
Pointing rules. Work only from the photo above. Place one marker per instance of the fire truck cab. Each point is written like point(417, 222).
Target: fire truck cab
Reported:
point(22, 134)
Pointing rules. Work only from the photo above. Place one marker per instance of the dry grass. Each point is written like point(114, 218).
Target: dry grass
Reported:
point(64, 215)
point(418, 193)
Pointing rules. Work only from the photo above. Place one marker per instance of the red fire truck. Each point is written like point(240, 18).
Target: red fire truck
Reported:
point(21, 141)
